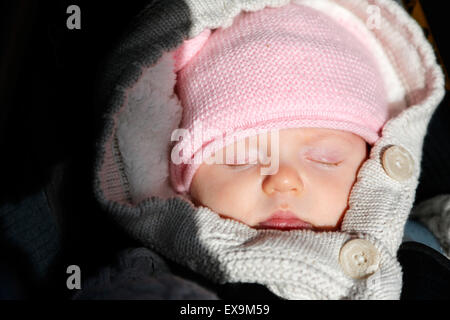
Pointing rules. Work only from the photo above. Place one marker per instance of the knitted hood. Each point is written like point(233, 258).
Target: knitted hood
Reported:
point(132, 174)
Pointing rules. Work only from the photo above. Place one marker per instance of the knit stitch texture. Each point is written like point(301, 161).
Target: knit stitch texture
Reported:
point(132, 176)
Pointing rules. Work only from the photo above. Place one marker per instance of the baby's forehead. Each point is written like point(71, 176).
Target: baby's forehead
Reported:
point(288, 136)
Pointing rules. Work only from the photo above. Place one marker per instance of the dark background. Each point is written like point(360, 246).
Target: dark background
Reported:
point(48, 127)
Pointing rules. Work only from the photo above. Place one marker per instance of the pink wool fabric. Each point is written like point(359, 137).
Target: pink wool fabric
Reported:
point(275, 68)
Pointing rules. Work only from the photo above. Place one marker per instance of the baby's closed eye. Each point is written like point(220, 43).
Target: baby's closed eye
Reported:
point(323, 156)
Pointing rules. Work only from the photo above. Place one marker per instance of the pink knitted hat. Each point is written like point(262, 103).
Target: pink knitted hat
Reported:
point(275, 68)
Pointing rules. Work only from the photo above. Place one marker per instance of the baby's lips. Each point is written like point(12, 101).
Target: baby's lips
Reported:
point(284, 220)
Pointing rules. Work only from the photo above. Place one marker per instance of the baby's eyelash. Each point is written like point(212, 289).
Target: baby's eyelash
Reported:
point(247, 162)
point(240, 164)
point(240, 167)
point(329, 164)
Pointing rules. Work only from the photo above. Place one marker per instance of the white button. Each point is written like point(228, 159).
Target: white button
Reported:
point(398, 163)
point(359, 258)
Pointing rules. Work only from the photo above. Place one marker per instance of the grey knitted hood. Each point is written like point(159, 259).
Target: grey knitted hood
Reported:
point(132, 175)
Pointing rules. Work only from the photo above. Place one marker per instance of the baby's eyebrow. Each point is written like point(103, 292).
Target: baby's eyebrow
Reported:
point(329, 136)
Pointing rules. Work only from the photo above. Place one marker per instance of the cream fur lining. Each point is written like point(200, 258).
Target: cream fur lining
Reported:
point(150, 114)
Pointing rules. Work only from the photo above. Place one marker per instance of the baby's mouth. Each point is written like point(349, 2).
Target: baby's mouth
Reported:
point(284, 220)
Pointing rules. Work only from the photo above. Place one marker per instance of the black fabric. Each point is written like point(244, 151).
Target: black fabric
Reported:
point(47, 75)
point(435, 167)
point(426, 272)
point(140, 274)
point(245, 291)
point(227, 291)
point(30, 240)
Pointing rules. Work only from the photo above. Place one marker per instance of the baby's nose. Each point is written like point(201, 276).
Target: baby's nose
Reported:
point(285, 180)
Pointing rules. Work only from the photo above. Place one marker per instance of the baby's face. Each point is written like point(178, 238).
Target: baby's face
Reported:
point(316, 171)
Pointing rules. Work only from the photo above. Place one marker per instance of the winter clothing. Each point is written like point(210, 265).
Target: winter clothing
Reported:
point(276, 68)
point(140, 274)
point(132, 170)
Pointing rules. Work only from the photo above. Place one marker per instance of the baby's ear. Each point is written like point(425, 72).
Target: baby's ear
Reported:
point(189, 49)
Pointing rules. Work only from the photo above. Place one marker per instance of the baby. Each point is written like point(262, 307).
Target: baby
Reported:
point(300, 74)
point(306, 211)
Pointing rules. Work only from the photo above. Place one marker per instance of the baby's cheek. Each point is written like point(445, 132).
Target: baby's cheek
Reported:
point(237, 197)
point(333, 199)
point(242, 200)
point(227, 193)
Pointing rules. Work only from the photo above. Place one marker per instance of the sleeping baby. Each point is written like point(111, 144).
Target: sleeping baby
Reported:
point(269, 142)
